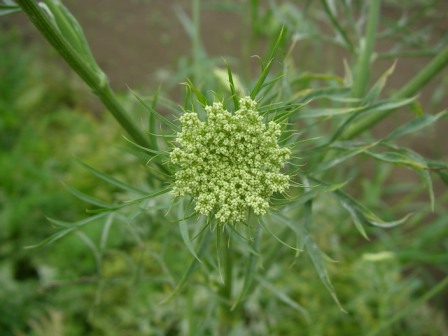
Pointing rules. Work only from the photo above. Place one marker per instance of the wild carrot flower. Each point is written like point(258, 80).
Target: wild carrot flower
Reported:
point(229, 162)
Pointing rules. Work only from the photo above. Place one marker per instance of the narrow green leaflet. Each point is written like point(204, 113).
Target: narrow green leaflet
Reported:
point(8, 7)
point(201, 98)
point(330, 10)
point(343, 157)
point(409, 158)
point(380, 106)
point(90, 199)
point(397, 158)
point(426, 177)
point(279, 239)
point(72, 31)
point(363, 214)
point(356, 216)
point(440, 168)
point(268, 66)
point(152, 121)
point(242, 240)
point(250, 271)
point(415, 125)
point(69, 227)
point(111, 180)
point(316, 255)
point(151, 110)
point(289, 111)
point(385, 105)
point(312, 193)
point(283, 297)
point(309, 95)
point(77, 224)
point(329, 112)
point(183, 228)
point(375, 91)
point(193, 265)
point(236, 103)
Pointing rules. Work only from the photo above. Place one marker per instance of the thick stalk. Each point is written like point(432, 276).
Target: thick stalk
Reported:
point(94, 78)
point(411, 88)
point(363, 65)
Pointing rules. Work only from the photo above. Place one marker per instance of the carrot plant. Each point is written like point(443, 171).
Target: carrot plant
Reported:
point(250, 173)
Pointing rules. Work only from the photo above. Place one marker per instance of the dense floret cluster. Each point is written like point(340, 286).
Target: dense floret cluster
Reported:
point(230, 161)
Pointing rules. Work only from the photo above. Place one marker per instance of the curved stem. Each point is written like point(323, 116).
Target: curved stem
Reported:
point(92, 76)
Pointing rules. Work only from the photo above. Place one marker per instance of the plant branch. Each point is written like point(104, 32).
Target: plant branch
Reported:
point(362, 74)
point(92, 76)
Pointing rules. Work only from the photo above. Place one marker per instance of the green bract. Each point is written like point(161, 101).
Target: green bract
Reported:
point(229, 162)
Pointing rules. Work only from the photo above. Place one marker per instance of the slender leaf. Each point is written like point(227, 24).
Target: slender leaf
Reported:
point(78, 223)
point(89, 199)
point(357, 219)
point(268, 66)
point(201, 98)
point(343, 157)
point(309, 95)
point(377, 88)
point(283, 297)
point(363, 214)
point(398, 159)
point(381, 106)
point(152, 122)
point(183, 228)
point(193, 265)
point(415, 125)
point(9, 9)
point(111, 180)
point(236, 103)
point(150, 109)
point(316, 255)
point(69, 227)
point(250, 271)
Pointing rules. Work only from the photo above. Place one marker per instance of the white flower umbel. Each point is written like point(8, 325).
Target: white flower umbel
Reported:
point(229, 162)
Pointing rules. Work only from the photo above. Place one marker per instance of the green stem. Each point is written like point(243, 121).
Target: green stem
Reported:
point(364, 62)
point(226, 291)
point(94, 78)
point(408, 90)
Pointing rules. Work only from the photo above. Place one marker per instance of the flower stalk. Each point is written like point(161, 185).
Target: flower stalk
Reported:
point(226, 290)
point(89, 73)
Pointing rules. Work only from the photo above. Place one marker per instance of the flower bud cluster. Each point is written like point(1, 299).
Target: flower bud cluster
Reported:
point(230, 161)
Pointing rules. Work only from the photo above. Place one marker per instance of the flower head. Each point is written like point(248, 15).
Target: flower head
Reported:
point(230, 162)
